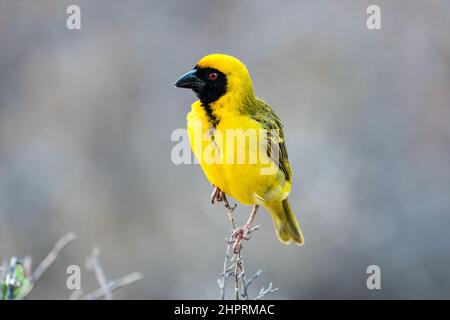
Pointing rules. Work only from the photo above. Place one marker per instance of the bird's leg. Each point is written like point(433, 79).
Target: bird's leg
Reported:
point(242, 233)
point(216, 195)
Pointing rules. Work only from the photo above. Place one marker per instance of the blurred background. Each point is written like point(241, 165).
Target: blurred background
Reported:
point(86, 119)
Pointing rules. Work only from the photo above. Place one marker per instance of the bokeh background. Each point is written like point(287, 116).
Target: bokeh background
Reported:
point(86, 119)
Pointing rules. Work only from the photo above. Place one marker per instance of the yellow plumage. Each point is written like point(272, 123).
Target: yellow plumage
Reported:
point(238, 110)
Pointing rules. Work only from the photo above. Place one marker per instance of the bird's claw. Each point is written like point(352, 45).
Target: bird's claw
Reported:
point(217, 195)
point(240, 234)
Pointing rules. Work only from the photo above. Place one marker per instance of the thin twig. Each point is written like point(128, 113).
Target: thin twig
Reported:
point(8, 274)
point(244, 294)
point(237, 256)
point(264, 292)
point(226, 270)
point(51, 257)
point(239, 275)
point(252, 278)
point(93, 265)
point(244, 283)
point(236, 275)
point(230, 212)
point(113, 285)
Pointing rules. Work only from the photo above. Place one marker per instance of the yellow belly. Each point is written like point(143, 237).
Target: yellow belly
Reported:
point(245, 174)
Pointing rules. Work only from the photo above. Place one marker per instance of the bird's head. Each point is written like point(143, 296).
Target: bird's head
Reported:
point(216, 76)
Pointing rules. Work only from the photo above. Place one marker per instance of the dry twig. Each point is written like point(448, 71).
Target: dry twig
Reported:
point(93, 265)
point(51, 257)
point(113, 285)
point(18, 280)
point(263, 292)
point(226, 272)
point(234, 265)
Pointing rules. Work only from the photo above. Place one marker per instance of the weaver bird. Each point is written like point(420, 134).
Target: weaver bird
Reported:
point(227, 104)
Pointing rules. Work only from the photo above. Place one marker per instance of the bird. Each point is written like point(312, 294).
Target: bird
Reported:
point(227, 103)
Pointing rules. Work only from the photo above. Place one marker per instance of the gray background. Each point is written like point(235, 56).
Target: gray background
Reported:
point(86, 118)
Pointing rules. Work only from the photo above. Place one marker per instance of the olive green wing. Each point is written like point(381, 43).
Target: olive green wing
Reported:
point(275, 137)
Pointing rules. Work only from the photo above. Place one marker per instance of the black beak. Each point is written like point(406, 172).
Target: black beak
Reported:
point(190, 81)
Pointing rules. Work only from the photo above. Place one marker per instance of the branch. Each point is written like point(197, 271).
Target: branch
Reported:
point(113, 285)
point(17, 280)
point(93, 265)
point(237, 266)
point(246, 283)
point(230, 212)
point(237, 256)
point(226, 270)
point(237, 269)
point(51, 257)
point(263, 292)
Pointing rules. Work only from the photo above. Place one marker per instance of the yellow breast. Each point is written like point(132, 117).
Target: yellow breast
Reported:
point(233, 156)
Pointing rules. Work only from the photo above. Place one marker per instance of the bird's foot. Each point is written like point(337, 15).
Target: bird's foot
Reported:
point(239, 235)
point(243, 233)
point(217, 195)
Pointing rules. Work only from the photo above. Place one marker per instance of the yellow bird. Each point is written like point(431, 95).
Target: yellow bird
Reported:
point(239, 142)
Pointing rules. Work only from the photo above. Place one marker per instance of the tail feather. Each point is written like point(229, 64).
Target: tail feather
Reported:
point(286, 226)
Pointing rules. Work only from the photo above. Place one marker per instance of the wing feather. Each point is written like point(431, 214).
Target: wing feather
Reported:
point(272, 123)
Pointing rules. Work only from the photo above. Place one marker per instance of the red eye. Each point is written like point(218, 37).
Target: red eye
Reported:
point(213, 76)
